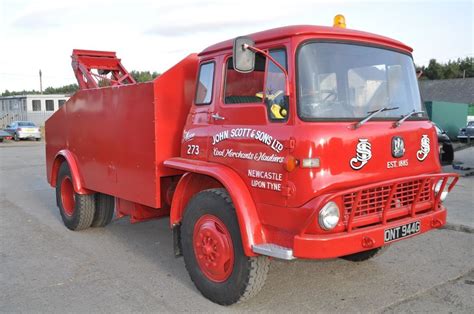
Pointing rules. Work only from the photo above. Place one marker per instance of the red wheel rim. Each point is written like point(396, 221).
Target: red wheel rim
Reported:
point(213, 248)
point(67, 196)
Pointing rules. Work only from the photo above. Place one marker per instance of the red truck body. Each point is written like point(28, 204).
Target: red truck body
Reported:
point(152, 148)
point(119, 137)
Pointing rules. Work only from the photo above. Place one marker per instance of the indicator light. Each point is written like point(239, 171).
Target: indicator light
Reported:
point(290, 163)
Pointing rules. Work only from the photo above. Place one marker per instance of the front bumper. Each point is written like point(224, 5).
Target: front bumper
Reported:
point(340, 244)
point(366, 213)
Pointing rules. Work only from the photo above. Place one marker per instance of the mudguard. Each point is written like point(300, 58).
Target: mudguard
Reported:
point(249, 222)
point(77, 181)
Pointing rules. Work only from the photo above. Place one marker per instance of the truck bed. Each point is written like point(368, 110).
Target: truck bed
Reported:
point(121, 135)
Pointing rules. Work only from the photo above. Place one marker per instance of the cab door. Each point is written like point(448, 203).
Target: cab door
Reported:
point(254, 134)
point(199, 125)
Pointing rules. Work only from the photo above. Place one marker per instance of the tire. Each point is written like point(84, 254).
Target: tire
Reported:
point(211, 220)
point(366, 255)
point(77, 210)
point(15, 137)
point(38, 139)
point(104, 210)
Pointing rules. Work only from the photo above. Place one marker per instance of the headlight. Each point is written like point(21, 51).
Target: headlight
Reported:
point(329, 216)
point(437, 189)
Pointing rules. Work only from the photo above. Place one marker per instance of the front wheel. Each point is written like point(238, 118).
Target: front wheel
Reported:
point(365, 255)
point(213, 252)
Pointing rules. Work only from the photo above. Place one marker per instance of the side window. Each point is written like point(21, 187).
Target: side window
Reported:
point(275, 87)
point(49, 105)
point(36, 105)
point(205, 84)
point(244, 87)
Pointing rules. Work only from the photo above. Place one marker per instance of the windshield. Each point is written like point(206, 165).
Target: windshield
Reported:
point(338, 80)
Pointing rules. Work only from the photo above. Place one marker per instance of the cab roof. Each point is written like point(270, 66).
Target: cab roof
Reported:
point(323, 31)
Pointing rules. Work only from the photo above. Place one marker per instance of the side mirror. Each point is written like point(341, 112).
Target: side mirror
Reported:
point(244, 58)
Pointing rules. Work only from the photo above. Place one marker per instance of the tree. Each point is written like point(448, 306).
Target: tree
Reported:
point(452, 69)
point(144, 76)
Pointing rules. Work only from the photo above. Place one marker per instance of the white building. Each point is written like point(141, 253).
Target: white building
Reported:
point(35, 108)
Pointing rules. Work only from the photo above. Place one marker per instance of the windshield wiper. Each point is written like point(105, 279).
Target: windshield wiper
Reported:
point(372, 114)
point(408, 115)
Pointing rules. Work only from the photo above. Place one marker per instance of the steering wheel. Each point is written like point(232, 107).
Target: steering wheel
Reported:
point(330, 92)
point(312, 106)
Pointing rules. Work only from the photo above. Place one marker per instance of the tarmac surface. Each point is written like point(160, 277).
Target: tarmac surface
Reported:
point(460, 202)
point(44, 267)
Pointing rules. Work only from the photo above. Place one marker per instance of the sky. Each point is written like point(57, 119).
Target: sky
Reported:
point(153, 35)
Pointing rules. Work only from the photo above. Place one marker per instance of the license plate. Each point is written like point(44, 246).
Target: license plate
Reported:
point(402, 231)
point(29, 130)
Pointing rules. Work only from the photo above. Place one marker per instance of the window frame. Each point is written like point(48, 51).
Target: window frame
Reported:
point(213, 62)
point(267, 61)
point(224, 85)
point(267, 50)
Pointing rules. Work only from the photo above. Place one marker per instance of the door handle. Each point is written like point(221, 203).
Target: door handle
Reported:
point(216, 116)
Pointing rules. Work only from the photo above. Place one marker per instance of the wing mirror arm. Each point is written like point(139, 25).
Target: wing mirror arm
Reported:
point(267, 55)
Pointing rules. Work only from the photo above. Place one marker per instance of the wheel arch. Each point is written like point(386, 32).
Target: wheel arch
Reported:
point(77, 180)
point(212, 176)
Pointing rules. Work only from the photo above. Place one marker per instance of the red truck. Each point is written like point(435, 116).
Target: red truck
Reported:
point(297, 142)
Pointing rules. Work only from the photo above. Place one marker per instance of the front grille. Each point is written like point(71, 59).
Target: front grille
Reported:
point(374, 200)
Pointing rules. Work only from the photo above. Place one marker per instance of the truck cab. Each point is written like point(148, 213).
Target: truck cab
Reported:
point(321, 174)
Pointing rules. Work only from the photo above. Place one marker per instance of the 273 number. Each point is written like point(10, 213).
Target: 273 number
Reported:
point(193, 150)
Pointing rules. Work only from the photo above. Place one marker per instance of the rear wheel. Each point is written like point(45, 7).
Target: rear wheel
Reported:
point(104, 210)
point(366, 255)
point(77, 210)
point(213, 252)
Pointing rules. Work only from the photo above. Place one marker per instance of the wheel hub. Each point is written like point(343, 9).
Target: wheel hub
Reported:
point(67, 196)
point(213, 248)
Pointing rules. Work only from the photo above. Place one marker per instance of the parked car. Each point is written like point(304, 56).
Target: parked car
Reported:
point(23, 130)
point(4, 136)
point(446, 152)
point(466, 132)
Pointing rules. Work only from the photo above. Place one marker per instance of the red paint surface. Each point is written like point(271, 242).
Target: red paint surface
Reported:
point(213, 248)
